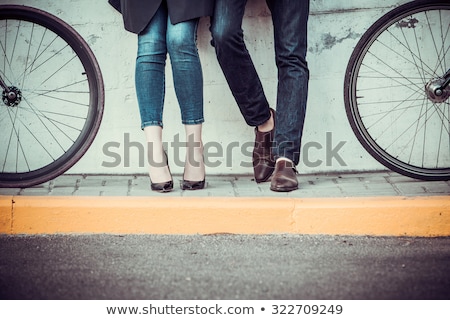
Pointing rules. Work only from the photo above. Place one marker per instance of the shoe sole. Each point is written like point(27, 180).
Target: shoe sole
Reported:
point(286, 189)
point(192, 188)
point(162, 190)
point(263, 180)
point(266, 178)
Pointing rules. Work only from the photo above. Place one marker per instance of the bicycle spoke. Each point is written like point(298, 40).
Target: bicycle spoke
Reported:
point(28, 53)
point(6, 59)
point(15, 133)
point(445, 128)
point(63, 89)
point(32, 67)
point(61, 67)
point(396, 72)
point(440, 59)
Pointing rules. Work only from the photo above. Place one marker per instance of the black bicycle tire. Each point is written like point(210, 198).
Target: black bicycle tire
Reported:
point(353, 117)
point(96, 89)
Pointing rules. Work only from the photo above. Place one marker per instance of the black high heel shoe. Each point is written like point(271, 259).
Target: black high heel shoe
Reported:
point(163, 186)
point(192, 185)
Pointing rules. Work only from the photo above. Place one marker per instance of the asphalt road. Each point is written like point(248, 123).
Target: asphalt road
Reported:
point(227, 267)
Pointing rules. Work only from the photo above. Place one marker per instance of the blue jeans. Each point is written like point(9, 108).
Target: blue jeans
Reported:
point(160, 38)
point(290, 19)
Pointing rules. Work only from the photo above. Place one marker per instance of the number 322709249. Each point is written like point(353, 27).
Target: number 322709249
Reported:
point(306, 309)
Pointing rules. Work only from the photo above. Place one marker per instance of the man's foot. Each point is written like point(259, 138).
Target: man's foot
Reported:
point(263, 162)
point(285, 176)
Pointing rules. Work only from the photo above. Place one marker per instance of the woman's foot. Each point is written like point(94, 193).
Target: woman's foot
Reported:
point(159, 169)
point(160, 176)
point(159, 172)
point(162, 187)
point(194, 168)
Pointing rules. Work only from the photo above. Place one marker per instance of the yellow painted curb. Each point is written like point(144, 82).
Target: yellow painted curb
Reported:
point(378, 216)
point(381, 216)
point(6, 205)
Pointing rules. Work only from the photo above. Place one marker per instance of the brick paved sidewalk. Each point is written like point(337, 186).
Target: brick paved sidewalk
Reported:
point(364, 184)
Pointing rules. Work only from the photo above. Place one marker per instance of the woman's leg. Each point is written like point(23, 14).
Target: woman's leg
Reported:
point(194, 169)
point(157, 160)
point(188, 83)
point(150, 91)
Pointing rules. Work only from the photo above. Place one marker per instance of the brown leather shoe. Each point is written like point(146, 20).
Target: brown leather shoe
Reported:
point(285, 177)
point(263, 161)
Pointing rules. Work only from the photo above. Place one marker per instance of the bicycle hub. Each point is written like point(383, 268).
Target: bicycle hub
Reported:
point(437, 91)
point(13, 97)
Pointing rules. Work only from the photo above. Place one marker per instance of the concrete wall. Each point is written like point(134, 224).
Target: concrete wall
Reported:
point(334, 29)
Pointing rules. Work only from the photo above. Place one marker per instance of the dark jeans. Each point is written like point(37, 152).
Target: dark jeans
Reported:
point(290, 19)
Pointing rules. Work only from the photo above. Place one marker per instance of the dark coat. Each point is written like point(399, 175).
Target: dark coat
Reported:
point(138, 13)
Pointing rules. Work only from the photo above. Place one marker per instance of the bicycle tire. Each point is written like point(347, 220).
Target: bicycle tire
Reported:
point(384, 103)
point(33, 153)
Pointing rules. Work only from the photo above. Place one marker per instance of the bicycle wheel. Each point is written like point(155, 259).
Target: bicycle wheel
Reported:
point(388, 94)
point(53, 96)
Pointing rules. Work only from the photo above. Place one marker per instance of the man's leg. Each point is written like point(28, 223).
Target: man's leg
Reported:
point(236, 63)
point(243, 80)
point(290, 20)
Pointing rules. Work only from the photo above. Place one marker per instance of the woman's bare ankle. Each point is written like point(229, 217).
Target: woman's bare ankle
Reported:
point(194, 169)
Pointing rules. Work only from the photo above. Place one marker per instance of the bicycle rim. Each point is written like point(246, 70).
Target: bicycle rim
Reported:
point(386, 94)
point(59, 86)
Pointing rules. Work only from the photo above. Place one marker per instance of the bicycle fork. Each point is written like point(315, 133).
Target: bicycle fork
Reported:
point(437, 89)
point(11, 96)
